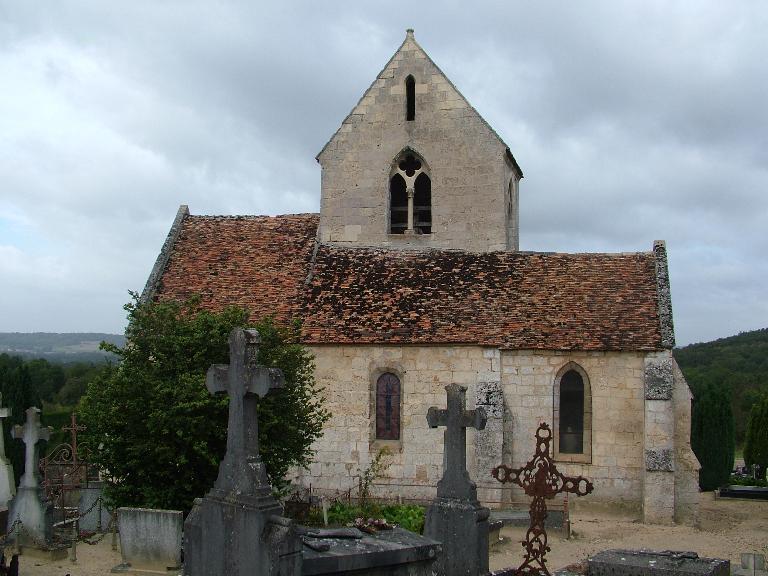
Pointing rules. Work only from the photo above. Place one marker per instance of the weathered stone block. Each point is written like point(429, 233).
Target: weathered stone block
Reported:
point(659, 382)
point(150, 539)
point(462, 528)
point(651, 563)
point(659, 460)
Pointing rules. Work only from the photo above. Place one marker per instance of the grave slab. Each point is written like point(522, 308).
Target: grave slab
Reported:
point(395, 552)
point(150, 540)
point(620, 562)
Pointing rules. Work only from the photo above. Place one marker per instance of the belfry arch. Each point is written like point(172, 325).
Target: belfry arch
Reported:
point(410, 195)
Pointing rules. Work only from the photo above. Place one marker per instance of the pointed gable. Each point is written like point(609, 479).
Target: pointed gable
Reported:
point(473, 175)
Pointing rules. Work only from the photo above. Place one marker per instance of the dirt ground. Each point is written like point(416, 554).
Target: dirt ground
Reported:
point(727, 528)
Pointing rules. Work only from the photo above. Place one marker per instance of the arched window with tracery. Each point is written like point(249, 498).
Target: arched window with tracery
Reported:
point(410, 196)
point(573, 415)
point(388, 407)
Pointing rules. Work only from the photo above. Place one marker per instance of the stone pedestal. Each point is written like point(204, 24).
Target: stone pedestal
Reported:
point(229, 537)
point(7, 484)
point(462, 529)
point(36, 514)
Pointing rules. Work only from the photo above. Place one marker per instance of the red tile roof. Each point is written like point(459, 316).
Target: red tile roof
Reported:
point(256, 262)
point(514, 300)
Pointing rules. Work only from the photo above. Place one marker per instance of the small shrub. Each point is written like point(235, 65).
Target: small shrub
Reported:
point(747, 481)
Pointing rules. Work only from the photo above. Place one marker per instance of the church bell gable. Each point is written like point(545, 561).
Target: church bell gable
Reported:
point(466, 198)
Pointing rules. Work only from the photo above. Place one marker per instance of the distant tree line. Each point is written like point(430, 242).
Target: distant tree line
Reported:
point(27, 383)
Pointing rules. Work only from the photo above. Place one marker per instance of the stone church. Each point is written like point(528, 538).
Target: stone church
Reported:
point(411, 278)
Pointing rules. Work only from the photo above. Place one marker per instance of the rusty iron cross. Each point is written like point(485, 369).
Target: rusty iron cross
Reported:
point(456, 482)
point(241, 471)
point(73, 429)
point(540, 479)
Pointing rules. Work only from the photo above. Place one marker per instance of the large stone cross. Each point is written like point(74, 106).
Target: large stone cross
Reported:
point(241, 471)
point(456, 482)
point(31, 433)
point(5, 412)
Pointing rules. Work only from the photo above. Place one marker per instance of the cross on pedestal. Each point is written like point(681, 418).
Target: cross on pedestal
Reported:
point(540, 479)
point(456, 482)
point(241, 471)
point(5, 412)
point(31, 433)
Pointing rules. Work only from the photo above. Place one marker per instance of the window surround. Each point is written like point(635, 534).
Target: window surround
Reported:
point(586, 455)
point(375, 443)
point(410, 185)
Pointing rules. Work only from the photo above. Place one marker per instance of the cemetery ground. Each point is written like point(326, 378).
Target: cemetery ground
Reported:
point(727, 528)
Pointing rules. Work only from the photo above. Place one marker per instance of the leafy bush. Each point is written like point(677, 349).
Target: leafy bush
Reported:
point(157, 432)
point(747, 481)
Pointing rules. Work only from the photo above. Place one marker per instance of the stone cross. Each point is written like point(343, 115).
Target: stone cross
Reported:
point(5, 412)
point(31, 433)
point(456, 482)
point(540, 479)
point(241, 471)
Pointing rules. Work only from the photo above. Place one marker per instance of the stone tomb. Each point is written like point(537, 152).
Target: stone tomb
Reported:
point(237, 528)
point(650, 563)
point(30, 505)
point(455, 518)
point(150, 540)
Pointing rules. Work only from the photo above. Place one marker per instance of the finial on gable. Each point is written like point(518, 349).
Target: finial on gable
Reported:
point(409, 33)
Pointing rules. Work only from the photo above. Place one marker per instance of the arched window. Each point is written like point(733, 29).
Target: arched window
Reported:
point(573, 415)
point(410, 98)
point(388, 407)
point(410, 196)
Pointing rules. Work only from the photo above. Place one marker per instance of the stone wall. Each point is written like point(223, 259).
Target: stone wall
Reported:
point(616, 382)
point(473, 206)
point(525, 380)
point(687, 469)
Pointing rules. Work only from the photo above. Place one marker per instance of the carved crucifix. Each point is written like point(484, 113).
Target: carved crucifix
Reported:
point(241, 471)
point(456, 482)
point(31, 433)
point(540, 479)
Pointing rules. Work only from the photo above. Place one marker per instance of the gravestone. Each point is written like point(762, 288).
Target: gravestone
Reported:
point(455, 517)
point(150, 540)
point(237, 528)
point(7, 483)
point(30, 506)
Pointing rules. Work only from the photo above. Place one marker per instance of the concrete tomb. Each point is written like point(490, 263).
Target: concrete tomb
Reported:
point(651, 563)
point(237, 528)
point(150, 540)
point(29, 505)
point(94, 515)
point(7, 483)
point(455, 518)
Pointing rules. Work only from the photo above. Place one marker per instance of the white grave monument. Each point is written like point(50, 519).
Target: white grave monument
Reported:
point(30, 505)
point(7, 483)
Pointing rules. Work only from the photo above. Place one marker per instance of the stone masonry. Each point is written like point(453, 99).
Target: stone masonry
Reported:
point(474, 177)
point(617, 463)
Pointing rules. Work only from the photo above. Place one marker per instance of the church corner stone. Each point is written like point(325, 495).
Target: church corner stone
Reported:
point(659, 381)
point(659, 460)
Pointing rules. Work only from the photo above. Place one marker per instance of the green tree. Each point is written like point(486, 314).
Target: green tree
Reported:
point(756, 444)
point(18, 395)
point(712, 436)
point(154, 427)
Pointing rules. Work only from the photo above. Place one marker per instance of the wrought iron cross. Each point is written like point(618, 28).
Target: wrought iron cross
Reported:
point(456, 482)
point(31, 433)
point(73, 429)
point(540, 479)
point(241, 471)
point(5, 412)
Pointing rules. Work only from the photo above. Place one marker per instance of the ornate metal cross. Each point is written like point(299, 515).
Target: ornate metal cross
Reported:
point(73, 429)
point(241, 471)
point(5, 412)
point(31, 433)
point(456, 482)
point(540, 479)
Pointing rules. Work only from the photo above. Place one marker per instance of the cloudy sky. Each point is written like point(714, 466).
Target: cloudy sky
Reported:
point(632, 121)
